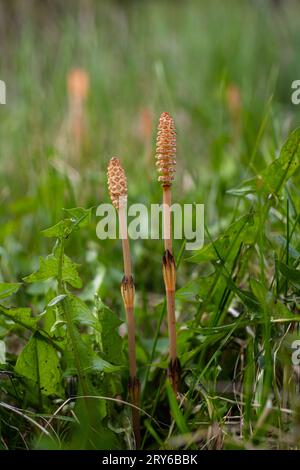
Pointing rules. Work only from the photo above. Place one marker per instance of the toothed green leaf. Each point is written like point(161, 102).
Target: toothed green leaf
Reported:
point(39, 362)
point(7, 289)
point(49, 269)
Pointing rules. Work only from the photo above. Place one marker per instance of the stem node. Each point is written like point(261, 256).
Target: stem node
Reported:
point(174, 371)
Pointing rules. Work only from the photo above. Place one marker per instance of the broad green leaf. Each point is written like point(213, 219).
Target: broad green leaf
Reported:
point(278, 311)
point(79, 216)
point(80, 312)
point(242, 230)
point(189, 291)
point(90, 361)
point(248, 299)
point(276, 174)
point(291, 274)
point(53, 318)
point(7, 289)
point(76, 218)
point(60, 230)
point(82, 346)
point(110, 340)
point(21, 316)
point(272, 179)
point(39, 363)
point(49, 269)
point(260, 292)
point(196, 289)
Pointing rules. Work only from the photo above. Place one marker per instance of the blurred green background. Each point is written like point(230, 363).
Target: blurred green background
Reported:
point(87, 80)
point(223, 69)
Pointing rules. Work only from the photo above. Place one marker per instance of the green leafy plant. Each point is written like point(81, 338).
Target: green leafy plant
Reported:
point(68, 342)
